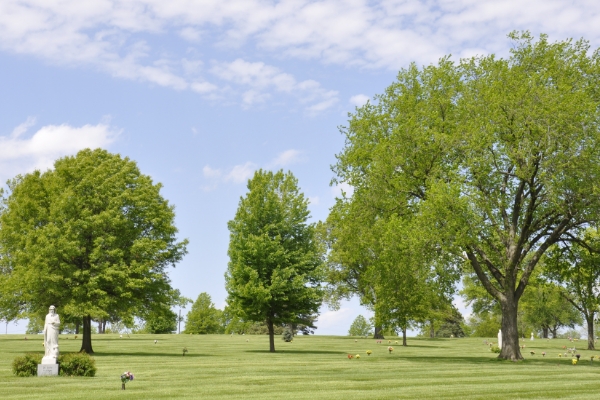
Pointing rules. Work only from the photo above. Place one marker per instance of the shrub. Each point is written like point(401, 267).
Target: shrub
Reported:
point(287, 335)
point(76, 364)
point(26, 365)
point(495, 349)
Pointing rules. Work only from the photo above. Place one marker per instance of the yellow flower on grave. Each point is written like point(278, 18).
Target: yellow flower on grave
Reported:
point(358, 356)
point(574, 361)
point(559, 354)
point(369, 352)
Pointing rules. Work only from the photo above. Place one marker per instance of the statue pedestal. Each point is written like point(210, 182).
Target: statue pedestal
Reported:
point(48, 360)
point(48, 369)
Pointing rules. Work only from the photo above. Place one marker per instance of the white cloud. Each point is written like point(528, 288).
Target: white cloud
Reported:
point(241, 173)
point(116, 36)
point(190, 34)
point(261, 77)
point(286, 158)
point(359, 100)
point(22, 154)
point(209, 172)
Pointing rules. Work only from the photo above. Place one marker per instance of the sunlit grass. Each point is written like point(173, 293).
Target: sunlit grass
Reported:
point(315, 367)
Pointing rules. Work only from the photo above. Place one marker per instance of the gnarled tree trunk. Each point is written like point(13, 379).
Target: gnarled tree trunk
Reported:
point(404, 336)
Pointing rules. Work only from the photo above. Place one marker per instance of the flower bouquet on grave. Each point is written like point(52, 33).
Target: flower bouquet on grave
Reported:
point(126, 377)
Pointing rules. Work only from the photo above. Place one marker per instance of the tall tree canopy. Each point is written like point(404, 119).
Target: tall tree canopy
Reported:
point(275, 266)
point(497, 158)
point(93, 236)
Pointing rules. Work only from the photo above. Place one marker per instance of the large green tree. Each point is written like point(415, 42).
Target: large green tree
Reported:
point(496, 157)
point(275, 266)
point(93, 236)
point(204, 317)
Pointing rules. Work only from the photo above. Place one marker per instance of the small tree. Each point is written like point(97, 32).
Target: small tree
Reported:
point(204, 318)
point(360, 327)
point(275, 266)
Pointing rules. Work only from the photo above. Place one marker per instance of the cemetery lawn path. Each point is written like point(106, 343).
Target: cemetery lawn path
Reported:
point(311, 367)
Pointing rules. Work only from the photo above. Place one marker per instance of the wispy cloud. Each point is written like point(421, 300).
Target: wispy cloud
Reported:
point(242, 172)
point(21, 153)
point(113, 37)
point(359, 100)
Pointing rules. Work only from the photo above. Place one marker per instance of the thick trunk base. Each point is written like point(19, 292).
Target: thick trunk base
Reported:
point(590, 326)
point(404, 337)
point(378, 333)
point(86, 341)
point(510, 334)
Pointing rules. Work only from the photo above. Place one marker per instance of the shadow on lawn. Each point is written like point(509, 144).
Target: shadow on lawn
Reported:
point(296, 351)
point(144, 354)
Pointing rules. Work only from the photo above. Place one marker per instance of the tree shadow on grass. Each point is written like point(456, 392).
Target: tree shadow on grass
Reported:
point(296, 351)
point(146, 354)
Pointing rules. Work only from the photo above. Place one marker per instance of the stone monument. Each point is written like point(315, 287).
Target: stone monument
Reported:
point(531, 335)
point(49, 364)
point(500, 339)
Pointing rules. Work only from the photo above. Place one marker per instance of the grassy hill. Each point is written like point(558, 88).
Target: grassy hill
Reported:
point(315, 367)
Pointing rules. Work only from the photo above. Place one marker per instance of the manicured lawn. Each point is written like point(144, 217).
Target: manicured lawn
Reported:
point(315, 367)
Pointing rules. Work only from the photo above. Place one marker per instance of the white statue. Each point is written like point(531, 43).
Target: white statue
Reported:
point(51, 336)
point(531, 335)
point(500, 339)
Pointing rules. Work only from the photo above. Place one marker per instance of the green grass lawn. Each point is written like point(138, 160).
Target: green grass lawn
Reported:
point(311, 367)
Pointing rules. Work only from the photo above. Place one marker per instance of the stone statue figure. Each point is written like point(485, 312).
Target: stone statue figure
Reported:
point(500, 339)
point(51, 336)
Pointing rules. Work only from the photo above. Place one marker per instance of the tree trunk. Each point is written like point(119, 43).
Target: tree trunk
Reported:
point(271, 336)
point(431, 329)
point(378, 333)
point(510, 334)
point(404, 336)
point(590, 325)
point(86, 342)
point(77, 327)
point(554, 332)
point(545, 332)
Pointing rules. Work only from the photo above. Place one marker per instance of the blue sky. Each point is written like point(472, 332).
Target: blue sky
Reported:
point(203, 92)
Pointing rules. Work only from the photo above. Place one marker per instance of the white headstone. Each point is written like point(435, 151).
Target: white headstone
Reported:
point(47, 370)
point(500, 339)
point(531, 335)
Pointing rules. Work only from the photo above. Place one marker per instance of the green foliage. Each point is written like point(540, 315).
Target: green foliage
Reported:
point(93, 236)
point(204, 318)
point(26, 365)
point(275, 266)
point(360, 327)
point(261, 328)
point(485, 325)
point(287, 335)
point(164, 321)
point(77, 364)
point(495, 349)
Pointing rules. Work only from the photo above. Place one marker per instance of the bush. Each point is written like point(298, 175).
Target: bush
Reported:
point(26, 365)
point(76, 364)
point(495, 349)
point(287, 335)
